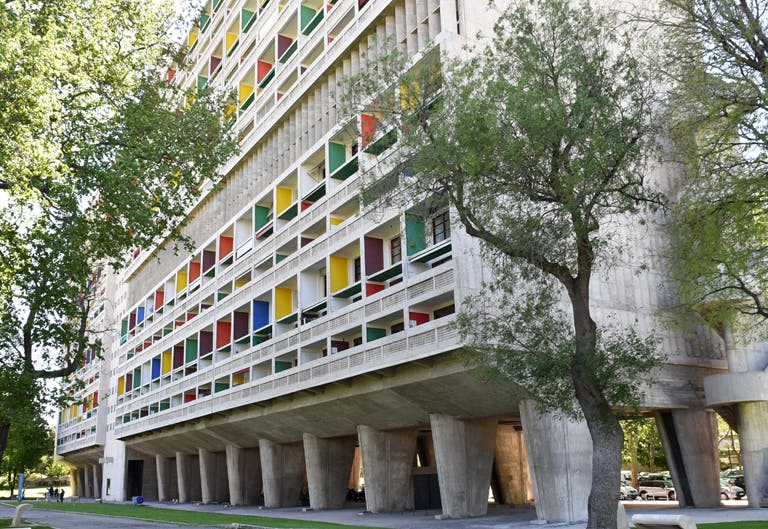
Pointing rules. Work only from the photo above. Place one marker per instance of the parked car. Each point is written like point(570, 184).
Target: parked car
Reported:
point(627, 493)
point(656, 489)
point(730, 492)
point(737, 480)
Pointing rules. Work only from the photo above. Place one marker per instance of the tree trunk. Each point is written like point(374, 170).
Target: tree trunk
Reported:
point(604, 427)
point(5, 428)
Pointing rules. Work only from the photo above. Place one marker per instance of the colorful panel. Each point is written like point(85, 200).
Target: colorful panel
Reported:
point(339, 273)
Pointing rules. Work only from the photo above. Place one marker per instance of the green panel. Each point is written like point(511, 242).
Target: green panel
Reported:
point(204, 20)
point(216, 4)
point(164, 406)
point(310, 27)
point(190, 351)
point(307, 14)
point(137, 377)
point(220, 386)
point(249, 17)
point(415, 239)
point(124, 327)
point(282, 366)
point(260, 217)
point(279, 257)
point(346, 170)
point(202, 82)
point(374, 333)
point(383, 143)
point(337, 155)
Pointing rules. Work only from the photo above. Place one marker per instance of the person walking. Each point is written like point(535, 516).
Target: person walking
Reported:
point(61, 496)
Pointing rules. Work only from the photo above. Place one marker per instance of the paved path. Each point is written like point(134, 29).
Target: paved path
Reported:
point(497, 518)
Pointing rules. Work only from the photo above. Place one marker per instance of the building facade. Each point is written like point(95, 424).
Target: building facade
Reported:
point(309, 339)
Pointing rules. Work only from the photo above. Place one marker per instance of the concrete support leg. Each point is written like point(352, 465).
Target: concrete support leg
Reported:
point(690, 444)
point(282, 473)
point(464, 456)
point(328, 465)
point(80, 482)
point(753, 436)
point(207, 475)
point(236, 474)
point(354, 475)
point(511, 479)
point(560, 461)
point(244, 473)
point(87, 476)
point(96, 480)
point(73, 479)
point(163, 465)
point(188, 476)
point(388, 467)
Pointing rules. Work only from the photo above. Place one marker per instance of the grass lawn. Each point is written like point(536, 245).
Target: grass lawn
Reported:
point(183, 516)
point(734, 525)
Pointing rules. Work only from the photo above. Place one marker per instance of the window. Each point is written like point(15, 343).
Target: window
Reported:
point(357, 270)
point(357, 341)
point(441, 227)
point(397, 327)
point(445, 311)
point(395, 251)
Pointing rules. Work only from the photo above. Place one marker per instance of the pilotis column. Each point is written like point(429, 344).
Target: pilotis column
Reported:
point(328, 466)
point(388, 466)
point(282, 473)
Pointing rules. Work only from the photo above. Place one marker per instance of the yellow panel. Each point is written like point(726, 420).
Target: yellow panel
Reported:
point(120, 386)
point(283, 302)
point(231, 39)
point(181, 281)
point(336, 221)
point(238, 379)
point(245, 92)
point(192, 39)
point(339, 273)
point(283, 199)
point(166, 362)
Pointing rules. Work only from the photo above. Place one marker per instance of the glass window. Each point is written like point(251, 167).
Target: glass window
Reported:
point(395, 251)
point(441, 227)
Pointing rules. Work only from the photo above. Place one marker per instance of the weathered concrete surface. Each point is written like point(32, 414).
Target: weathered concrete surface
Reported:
point(329, 462)
point(283, 470)
point(388, 465)
point(513, 478)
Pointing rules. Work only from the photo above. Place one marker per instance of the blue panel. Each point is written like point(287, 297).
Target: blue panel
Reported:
point(155, 368)
point(260, 314)
point(140, 315)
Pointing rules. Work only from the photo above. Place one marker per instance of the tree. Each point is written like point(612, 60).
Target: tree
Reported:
point(718, 71)
point(28, 442)
point(642, 446)
point(537, 142)
point(99, 155)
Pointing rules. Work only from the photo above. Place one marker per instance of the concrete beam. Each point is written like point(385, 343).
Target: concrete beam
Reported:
point(464, 454)
point(283, 472)
point(690, 444)
point(329, 462)
point(560, 461)
point(388, 466)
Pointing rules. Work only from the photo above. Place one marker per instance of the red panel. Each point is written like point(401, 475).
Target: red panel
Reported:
point(171, 75)
point(159, 299)
point(241, 324)
point(223, 333)
point(95, 398)
point(178, 355)
point(305, 205)
point(189, 397)
point(215, 61)
point(194, 270)
point(417, 318)
point(368, 127)
point(372, 288)
point(209, 259)
point(283, 43)
point(225, 246)
point(206, 342)
point(374, 255)
point(263, 69)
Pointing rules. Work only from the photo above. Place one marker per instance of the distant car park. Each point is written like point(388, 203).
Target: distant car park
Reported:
point(656, 489)
point(627, 492)
point(730, 492)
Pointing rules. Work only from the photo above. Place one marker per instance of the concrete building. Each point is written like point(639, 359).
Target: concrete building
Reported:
point(307, 338)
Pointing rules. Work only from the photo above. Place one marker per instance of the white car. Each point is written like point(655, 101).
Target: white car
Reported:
point(626, 492)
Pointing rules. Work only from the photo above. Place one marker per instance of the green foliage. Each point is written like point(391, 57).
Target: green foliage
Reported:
point(719, 75)
point(642, 445)
point(98, 155)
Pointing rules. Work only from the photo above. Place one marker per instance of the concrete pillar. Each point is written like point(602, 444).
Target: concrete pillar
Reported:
point(388, 467)
point(328, 466)
point(188, 477)
point(207, 475)
point(560, 461)
point(244, 473)
point(511, 476)
point(80, 482)
point(282, 473)
point(753, 436)
point(690, 444)
point(87, 476)
point(163, 465)
point(96, 469)
point(464, 456)
point(354, 475)
point(235, 474)
point(73, 481)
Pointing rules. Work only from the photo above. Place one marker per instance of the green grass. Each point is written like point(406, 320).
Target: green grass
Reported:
point(184, 516)
point(734, 525)
point(7, 523)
